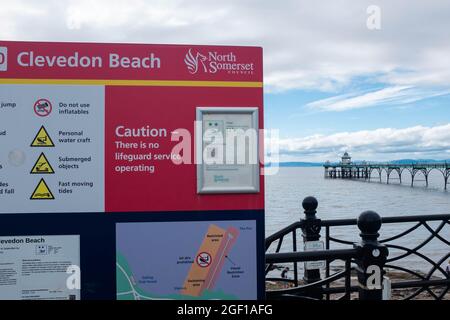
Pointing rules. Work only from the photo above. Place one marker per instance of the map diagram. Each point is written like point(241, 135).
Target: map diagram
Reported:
point(186, 260)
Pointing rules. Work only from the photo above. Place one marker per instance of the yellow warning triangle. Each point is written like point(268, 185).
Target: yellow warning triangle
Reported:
point(42, 139)
point(42, 192)
point(42, 166)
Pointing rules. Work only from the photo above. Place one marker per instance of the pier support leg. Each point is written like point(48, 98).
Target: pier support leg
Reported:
point(425, 174)
point(446, 181)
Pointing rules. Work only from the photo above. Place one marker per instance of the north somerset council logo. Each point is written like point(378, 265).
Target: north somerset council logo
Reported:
point(194, 61)
point(215, 62)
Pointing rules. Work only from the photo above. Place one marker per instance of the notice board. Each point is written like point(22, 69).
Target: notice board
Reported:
point(99, 140)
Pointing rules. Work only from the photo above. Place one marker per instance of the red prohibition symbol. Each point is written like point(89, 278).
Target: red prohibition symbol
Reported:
point(43, 107)
point(204, 259)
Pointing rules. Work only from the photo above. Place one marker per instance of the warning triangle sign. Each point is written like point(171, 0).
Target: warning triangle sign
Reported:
point(42, 166)
point(42, 192)
point(42, 139)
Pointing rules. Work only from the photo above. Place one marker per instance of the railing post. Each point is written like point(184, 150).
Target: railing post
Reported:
point(311, 232)
point(371, 257)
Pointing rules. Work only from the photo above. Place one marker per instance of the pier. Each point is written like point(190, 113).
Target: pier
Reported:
point(365, 170)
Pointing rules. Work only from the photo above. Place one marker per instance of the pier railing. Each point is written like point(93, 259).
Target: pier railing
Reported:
point(365, 170)
point(368, 268)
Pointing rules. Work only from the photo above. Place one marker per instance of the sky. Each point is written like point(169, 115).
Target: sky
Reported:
point(331, 83)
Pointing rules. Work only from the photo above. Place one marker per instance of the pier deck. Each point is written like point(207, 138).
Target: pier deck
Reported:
point(365, 170)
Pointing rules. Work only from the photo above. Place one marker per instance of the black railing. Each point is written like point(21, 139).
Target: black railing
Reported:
point(363, 258)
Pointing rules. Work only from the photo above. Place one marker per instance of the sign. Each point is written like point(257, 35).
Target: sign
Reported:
point(42, 139)
point(117, 123)
point(204, 259)
point(3, 59)
point(99, 140)
point(35, 267)
point(199, 260)
point(42, 192)
point(69, 147)
point(314, 246)
point(42, 166)
point(387, 288)
point(42, 107)
point(227, 142)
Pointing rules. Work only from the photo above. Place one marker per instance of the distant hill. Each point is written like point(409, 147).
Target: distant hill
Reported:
point(319, 164)
point(418, 160)
point(405, 161)
point(299, 164)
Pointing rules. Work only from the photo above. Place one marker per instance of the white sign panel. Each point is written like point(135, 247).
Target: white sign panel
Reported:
point(52, 148)
point(3, 59)
point(35, 267)
point(314, 246)
point(227, 150)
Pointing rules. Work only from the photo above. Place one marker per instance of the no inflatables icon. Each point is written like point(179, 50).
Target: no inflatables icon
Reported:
point(204, 259)
point(42, 107)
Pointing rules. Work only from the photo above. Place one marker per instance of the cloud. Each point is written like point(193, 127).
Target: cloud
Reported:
point(379, 144)
point(398, 95)
point(309, 45)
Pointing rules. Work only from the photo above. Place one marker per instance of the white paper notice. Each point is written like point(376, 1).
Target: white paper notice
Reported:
point(34, 267)
point(230, 152)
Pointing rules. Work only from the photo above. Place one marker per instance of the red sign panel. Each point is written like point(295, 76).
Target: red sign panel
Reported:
point(112, 113)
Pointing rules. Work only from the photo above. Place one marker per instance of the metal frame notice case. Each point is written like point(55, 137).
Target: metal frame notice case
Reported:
point(225, 177)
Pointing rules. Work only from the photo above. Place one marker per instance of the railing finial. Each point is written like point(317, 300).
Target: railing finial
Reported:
point(369, 223)
point(310, 205)
point(371, 258)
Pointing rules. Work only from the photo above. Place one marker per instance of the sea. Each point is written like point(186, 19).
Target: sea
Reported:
point(342, 199)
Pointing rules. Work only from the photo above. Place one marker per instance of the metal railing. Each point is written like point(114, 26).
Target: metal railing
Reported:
point(358, 258)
